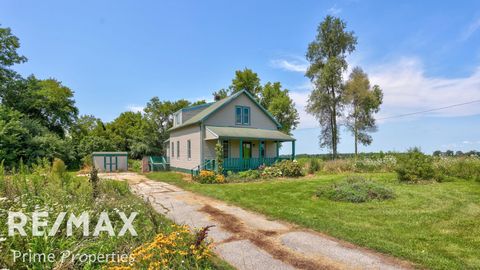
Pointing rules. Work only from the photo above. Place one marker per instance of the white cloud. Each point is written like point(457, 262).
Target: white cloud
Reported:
point(407, 89)
point(471, 29)
point(135, 108)
point(334, 10)
point(290, 65)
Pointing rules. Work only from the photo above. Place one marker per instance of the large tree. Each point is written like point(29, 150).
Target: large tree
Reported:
point(271, 96)
point(159, 117)
point(327, 56)
point(363, 101)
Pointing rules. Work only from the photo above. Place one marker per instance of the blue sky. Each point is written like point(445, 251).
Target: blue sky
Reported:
point(116, 55)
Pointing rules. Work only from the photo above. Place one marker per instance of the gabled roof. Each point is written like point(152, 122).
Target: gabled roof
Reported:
point(205, 113)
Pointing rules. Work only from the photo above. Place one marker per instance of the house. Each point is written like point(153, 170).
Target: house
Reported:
point(249, 134)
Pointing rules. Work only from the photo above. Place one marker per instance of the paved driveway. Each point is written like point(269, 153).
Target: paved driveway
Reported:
point(248, 240)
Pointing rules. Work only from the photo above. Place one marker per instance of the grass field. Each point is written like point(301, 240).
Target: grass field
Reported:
point(436, 225)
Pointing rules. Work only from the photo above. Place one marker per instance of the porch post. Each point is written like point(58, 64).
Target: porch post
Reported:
point(259, 149)
point(293, 150)
point(278, 148)
point(241, 154)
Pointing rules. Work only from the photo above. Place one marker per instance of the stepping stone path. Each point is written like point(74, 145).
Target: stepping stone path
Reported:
point(248, 240)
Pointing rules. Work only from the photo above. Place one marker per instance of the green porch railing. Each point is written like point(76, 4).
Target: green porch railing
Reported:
point(238, 164)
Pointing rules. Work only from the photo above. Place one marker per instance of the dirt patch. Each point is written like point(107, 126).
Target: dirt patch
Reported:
point(264, 240)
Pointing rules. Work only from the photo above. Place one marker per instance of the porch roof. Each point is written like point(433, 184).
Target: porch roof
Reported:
point(248, 133)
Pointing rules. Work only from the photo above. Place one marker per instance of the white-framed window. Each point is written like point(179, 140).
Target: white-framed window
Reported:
point(225, 149)
point(189, 149)
point(178, 149)
point(177, 119)
point(173, 149)
point(242, 115)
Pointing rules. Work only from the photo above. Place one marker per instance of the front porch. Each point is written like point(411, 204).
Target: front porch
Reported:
point(245, 148)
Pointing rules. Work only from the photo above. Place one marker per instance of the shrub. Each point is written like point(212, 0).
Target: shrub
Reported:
point(206, 177)
point(250, 174)
point(290, 168)
point(58, 167)
point(461, 167)
point(415, 166)
point(220, 179)
point(356, 189)
point(271, 172)
point(313, 166)
point(135, 165)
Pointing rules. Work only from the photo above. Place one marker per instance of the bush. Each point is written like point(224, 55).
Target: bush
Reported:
point(290, 168)
point(356, 189)
point(206, 177)
point(461, 167)
point(415, 167)
point(250, 174)
point(313, 166)
point(209, 177)
point(271, 172)
point(135, 165)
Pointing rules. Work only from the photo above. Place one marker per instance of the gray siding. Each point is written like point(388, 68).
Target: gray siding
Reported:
point(182, 135)
point(226, 116)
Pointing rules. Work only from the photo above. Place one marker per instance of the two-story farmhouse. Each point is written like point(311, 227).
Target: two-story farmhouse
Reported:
point(248, 132)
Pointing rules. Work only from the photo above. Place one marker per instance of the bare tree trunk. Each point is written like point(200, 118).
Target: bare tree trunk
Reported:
point(334, 125)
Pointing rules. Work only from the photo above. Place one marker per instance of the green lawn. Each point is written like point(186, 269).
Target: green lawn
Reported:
point(436, 225)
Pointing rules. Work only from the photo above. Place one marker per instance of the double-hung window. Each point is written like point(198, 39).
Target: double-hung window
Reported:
point(242, 115)
point(189, 149)
point(225, 149)
point(178, 149)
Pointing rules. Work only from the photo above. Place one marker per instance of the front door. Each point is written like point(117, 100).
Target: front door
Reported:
point(110, 163)
point(247, 150)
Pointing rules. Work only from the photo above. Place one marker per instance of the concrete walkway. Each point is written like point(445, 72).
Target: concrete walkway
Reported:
point(249, 240)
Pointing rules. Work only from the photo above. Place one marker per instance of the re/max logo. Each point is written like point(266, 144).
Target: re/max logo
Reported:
point(17, 221)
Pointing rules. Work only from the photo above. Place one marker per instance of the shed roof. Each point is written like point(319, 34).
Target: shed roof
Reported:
point(249, 133)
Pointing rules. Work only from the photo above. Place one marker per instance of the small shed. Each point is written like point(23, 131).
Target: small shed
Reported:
point(110, 161)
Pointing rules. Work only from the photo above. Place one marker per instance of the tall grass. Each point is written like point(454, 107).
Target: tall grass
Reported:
point(44, 187)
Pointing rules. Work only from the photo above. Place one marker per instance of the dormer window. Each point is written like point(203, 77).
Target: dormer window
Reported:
point(242, 115)
point(178, 119)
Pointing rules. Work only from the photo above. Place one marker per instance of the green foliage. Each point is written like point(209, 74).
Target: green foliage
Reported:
point(460, 167)
point(219, 157)
point(363, 101)
point(114, 196)
point(327, 56)
point(290, 168)
point(271, 172)
point(250, 174)
point(94, 180)
point(135, 165)
point(313, 165)
point(271, 96)
point(356, 189)
point(209, 177)
point(415, 167)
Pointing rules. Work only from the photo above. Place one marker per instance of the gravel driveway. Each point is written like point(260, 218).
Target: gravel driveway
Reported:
point(248, 240)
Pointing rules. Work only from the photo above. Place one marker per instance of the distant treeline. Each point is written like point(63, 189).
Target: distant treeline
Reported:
point(382, 154)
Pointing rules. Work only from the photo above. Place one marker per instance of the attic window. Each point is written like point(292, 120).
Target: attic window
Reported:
point(242, 115)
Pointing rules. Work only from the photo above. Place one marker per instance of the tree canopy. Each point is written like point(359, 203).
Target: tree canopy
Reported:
point(327, 56)
point(363, 101)
point(271, 96)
